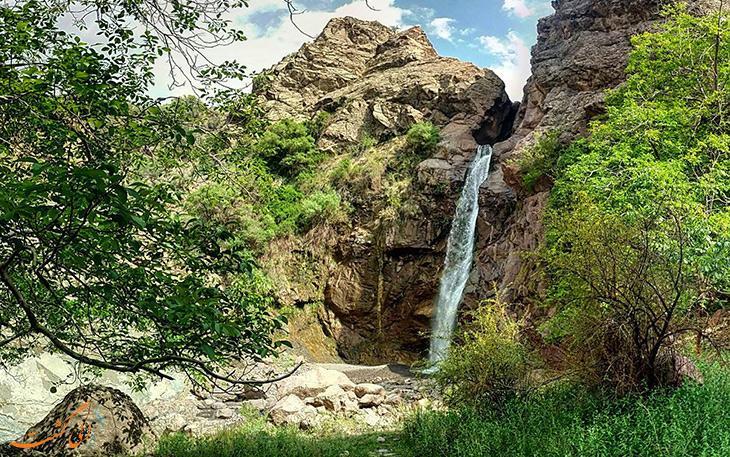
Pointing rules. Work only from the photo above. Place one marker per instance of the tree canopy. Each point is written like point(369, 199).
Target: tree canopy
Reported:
point(94, 262)
point(639, 223)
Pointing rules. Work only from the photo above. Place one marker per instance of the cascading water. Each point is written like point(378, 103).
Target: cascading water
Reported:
point(459, 253)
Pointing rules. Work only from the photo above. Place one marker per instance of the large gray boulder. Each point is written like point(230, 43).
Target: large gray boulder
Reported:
point(92, 420)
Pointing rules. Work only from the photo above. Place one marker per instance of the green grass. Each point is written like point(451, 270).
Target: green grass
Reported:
point(256, 438)
point(692, 421)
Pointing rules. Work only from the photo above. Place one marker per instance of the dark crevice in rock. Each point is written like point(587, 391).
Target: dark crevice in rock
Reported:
point(498, 123)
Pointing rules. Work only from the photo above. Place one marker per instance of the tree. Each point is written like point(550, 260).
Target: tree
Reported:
point(639, 218)
point(93, 263)
point(633, 293)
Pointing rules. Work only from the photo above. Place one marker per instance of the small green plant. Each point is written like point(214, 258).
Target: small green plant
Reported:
point(318, 124)
point(488, 365)
point(323, 205)
point(541, 159)
point(342, 172)
point(423, 137)
point(288, 148)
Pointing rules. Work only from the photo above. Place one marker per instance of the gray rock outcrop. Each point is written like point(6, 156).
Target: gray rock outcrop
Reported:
point(378, 82)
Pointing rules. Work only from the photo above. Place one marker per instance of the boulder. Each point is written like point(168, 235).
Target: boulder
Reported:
point(311, 383)
point(291, 410)
point(332, 399)
point(371, 400)
point(369, 389)
point(93, 420)
point(675, 369)
point(371, 418)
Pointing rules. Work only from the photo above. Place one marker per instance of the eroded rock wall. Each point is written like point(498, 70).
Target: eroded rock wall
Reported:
point(381, 274)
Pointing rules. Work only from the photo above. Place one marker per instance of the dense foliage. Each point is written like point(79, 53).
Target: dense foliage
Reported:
point(94, 263)
point(423, 137)
point(639, 218)
point(489, 364)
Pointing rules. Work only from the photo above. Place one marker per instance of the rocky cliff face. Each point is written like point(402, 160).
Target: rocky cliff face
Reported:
point(378, 82)
point(378, 277)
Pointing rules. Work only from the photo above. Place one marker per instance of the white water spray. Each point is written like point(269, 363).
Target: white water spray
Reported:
point(459, 254)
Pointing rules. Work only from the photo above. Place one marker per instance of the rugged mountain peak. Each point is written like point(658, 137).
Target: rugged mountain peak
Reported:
point(341, 32)
point(338, 57)
point(411, 45)
point(377, 82)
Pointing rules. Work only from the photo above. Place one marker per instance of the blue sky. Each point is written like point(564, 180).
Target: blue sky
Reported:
point(491, 33)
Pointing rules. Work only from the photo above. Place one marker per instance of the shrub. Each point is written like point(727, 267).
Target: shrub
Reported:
point(489, 364)
point(423, 137)
point(213, 202)
point(318, 124)
point(289, 148)
point(322, 205)
point(285, 208)
point(541, 160)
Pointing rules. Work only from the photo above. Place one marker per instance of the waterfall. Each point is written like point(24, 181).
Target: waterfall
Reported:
point(459, 253)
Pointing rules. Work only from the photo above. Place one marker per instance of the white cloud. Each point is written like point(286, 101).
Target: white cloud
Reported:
point(514, 67)
point(442, 28)
point(518, 7)
point(263, 50)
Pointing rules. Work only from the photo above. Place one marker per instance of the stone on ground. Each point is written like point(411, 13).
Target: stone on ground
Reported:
point(94, 420)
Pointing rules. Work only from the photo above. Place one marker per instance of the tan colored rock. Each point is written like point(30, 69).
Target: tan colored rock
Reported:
point(369, 389)
point(291, 410)
point(371, 418)
point(378, 82)
point(350, 403)
point(94, 420)
point(311, 383)
point(371, 400)
point(332, 398)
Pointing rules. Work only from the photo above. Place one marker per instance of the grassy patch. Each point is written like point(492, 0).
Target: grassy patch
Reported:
point(269, 441)
point(691, 421)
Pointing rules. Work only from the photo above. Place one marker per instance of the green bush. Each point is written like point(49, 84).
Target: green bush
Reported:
point(566, 420)
point(288, 148)
point(488, 364)
point(213, 202)
point(318, 124)
point(541, 159)
point(423, 137)
point(322, 205)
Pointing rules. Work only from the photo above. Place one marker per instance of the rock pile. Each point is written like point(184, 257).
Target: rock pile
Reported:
point(304, 400)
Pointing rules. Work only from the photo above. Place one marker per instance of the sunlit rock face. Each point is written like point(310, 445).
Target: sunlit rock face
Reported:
point(380, 280)
point(378, 82)
point(379, 288)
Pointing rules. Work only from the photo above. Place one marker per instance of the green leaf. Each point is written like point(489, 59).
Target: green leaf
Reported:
point(138, 220)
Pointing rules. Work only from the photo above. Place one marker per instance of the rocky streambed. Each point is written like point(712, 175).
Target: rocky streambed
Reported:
point(372, 398)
